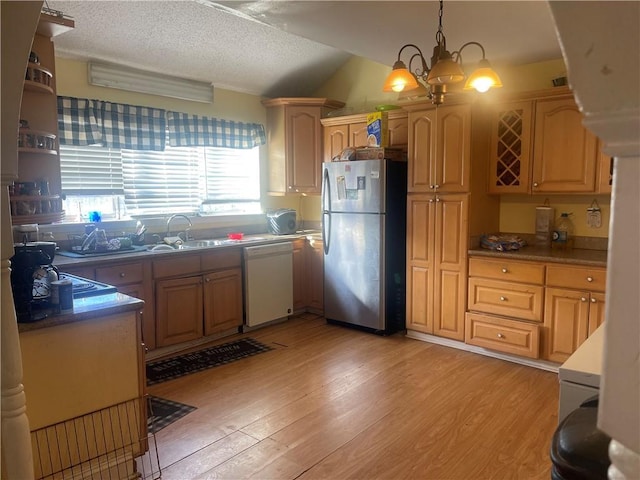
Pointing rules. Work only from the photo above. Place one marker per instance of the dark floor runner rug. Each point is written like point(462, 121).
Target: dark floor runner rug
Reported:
point(175, 367)
point(163, 412)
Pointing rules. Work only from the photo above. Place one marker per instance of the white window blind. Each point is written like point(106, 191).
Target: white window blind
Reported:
point(162, 182)
point(91, 170)
point(232, 175)
point(176, 180)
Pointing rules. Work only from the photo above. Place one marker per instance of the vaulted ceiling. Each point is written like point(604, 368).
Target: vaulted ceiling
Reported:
point(290, 48)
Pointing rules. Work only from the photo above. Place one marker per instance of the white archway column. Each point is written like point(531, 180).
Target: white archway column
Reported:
point(601, 47)
point(19, 21)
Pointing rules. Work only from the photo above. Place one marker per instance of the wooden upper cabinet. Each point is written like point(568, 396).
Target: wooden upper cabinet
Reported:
point(294, 142)
point(351, 131)
point(440, 149)
point(605, 173)
point(510, 156)
point(564, 152)
point(339, 137)
point(540, 146)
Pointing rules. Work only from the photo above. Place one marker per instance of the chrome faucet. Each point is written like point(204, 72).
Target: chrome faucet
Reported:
point(186, 232)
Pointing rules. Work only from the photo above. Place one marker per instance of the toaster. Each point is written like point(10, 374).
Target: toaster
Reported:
point(282, 221)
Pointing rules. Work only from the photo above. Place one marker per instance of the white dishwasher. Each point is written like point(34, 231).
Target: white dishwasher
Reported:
point(268, 283)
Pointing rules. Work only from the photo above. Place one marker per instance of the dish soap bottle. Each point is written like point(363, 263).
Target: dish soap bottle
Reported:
point(563, 233)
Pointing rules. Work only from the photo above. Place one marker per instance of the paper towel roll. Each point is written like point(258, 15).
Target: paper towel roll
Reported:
point(544, 225)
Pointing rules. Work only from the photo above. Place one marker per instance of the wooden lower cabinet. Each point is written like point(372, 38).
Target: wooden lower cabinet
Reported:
point(315, 276)
point(569, 317)
point(222, 293)
point(192, 307)
point(436, 264)
point(179, 310)
point(134, 279)
point(556, 305)
point(503, 334)
point(308, 275)
point(299, 269)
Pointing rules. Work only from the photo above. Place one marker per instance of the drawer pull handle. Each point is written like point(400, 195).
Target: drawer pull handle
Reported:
point(583, 299)
point(500, 335)
point(504, 270)
point(122, 274)
point(503, 299)
point(589, 279)
point(593, 300)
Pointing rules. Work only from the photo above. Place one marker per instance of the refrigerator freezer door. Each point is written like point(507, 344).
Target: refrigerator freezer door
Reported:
point(354, 186)
point(353, 272)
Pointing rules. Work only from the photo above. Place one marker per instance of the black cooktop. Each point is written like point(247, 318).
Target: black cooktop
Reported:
point(83, 287)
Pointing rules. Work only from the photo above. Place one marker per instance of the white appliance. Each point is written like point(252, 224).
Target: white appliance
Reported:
point(268, 282)
point(580, 375)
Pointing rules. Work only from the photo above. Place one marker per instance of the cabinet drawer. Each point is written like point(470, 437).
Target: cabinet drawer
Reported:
point(182, 264)
point(504, 298)
point(223, 258)
point(591, 279)
point(509, 336)
point(508, 270)
point(120, 274)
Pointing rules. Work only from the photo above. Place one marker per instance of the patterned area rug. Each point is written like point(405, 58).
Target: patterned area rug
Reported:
point(163, 412)
point(175, 367)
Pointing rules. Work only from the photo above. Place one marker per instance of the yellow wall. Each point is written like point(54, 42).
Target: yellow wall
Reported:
point(518, 212)
point(72, 81)
point(359, 84)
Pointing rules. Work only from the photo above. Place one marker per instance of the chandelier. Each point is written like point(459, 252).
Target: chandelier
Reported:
point(445, 70)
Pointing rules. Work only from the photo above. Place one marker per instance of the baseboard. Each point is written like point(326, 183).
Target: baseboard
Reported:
point(529, 362)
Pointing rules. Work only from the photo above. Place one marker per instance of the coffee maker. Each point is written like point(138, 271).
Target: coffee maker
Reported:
point(32, 274)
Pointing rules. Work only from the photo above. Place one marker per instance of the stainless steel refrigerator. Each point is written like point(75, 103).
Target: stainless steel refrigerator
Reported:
point(364, 233)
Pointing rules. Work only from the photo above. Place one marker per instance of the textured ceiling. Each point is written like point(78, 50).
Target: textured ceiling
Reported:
point(290, 48)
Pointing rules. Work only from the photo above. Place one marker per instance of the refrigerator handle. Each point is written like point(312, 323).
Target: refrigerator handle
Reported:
point(326, 214)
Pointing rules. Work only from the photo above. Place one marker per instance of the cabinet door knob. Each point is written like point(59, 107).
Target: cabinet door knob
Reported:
point(535, 184)
point(437, 199)
point(431, 200)
point(207, 279)
point(436, 186)
point(431, 187)
point(122, 274)
point(500, 335)
point(589, 279)
point(593, 300)
point(583, 299)
point(503, 299)
point(504, 270)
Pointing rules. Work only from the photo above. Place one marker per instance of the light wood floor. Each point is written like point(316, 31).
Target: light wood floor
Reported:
point(334, 403)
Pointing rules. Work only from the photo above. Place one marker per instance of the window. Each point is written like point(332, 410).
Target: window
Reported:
point(177, 180)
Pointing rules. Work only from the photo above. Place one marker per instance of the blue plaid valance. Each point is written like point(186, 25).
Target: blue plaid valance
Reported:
point(94, 122)
point(187, 130)
point(78, 121)
point(114, 125)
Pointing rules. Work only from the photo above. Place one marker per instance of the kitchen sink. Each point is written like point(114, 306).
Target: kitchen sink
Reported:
point(191, 244)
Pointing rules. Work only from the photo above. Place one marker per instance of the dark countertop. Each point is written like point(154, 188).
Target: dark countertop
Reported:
point(261, 239)
point(87, 308)
point(576, 256)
